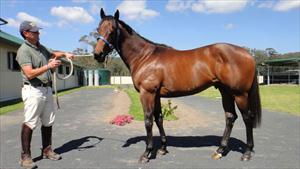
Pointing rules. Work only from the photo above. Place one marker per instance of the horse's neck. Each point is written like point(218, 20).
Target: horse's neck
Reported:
point(134, 49)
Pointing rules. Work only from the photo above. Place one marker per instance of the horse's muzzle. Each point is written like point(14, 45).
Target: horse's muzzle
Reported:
point(99, 57)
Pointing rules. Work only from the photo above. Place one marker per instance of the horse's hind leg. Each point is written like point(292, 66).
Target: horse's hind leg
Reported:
point(230, 117)
point(148, 102)
point(159, 122)
point(242, 103)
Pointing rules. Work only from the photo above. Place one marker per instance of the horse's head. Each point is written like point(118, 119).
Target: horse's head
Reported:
point(107, 35)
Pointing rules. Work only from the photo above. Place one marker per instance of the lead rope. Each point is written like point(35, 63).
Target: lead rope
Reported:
point(56, 76)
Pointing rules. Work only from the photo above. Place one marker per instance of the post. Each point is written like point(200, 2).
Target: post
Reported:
point(90, 77)
point(268, 79)
point(299, 73)
point(96, 78)
point(85, 77)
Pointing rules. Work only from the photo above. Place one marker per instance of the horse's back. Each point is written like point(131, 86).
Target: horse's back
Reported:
point(223, 63)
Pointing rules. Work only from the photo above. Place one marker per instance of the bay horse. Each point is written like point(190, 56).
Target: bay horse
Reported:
point(161, 71)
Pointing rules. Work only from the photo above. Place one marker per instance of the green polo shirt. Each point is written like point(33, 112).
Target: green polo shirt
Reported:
point(36, 56)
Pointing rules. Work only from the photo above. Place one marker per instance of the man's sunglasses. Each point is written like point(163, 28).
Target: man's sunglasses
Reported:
point(33, 31)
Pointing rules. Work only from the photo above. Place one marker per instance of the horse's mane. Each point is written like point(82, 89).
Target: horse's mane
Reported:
point(131, 31)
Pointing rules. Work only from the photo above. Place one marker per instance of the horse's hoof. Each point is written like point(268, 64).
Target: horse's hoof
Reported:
point(216, 156)
point(162, 151)
point(143, 160)
point(246, 157)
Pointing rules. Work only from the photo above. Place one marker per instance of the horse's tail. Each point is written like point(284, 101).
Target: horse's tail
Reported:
point(254, 103)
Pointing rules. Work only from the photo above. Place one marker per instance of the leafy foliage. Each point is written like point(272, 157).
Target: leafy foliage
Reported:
point(168, 111)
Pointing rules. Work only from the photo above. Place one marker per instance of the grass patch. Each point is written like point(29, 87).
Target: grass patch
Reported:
point(11, 107)
point(282, 98)
point(211, 92)
point(135, 108)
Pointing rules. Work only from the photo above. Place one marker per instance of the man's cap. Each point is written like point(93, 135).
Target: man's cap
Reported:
point(29, 26)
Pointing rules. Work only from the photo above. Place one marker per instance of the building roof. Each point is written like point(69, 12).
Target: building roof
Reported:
point(282, 61)
point(10, 39)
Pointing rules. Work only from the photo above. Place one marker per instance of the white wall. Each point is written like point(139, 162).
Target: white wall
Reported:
point(70, 82)
point(10, 81)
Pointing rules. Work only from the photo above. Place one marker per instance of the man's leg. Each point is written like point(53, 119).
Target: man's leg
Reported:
point(26, 159)
point(47, 151)
point(33, 105)
point(48, 117)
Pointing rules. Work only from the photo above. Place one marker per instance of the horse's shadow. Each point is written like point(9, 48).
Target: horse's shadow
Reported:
point(76, 145)
point(191, 142)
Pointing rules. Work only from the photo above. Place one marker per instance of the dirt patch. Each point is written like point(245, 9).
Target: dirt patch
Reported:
point(121, 105)
point(188, 117)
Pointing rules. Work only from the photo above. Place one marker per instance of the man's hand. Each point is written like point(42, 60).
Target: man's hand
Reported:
point(69, 55)
point(59, 54)
point(53, 63)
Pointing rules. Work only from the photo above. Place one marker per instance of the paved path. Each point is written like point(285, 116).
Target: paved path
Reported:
point(86, 141)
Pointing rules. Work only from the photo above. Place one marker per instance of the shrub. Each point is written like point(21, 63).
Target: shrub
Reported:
point(168, 111)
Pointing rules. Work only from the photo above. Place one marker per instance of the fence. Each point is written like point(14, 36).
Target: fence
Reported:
point(121, 80)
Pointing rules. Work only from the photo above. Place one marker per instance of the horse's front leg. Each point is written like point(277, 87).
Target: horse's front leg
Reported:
point(159, 122)
point(148, 101)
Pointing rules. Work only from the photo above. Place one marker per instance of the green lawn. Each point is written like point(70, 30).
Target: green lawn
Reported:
point(135, 108)
point(283, 98)
point(11, 107)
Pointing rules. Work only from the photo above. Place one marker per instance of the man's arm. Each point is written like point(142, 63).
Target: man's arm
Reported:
point(31, 73)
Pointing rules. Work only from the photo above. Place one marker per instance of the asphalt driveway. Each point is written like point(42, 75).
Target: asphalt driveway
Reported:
point(85, 141)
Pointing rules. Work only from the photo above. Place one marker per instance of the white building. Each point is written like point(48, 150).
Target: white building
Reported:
point(10, 76)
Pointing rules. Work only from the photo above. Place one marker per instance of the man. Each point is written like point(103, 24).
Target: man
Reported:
point(37, 62)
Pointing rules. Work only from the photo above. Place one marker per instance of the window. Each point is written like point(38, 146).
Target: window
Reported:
point(11, 61)
point(67, 70)
point(60, 69)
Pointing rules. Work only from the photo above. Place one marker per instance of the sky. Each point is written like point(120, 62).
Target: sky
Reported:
point(182, 24)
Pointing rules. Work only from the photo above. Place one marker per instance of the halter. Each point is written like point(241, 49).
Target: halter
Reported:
point(105, 41)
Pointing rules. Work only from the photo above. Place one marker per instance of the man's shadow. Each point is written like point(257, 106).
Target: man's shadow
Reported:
point(191, 142)
point(76, 145)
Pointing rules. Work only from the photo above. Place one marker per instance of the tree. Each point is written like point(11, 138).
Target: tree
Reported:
point(259, 55)
point(114, 63)
point(272, 52)
point(89, 39)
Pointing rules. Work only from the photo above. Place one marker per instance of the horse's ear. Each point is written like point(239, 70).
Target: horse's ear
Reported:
point(102, 14)
point(117, 14)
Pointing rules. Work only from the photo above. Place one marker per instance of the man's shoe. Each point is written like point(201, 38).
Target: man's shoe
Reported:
point(50, 154)
point(26, 162)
